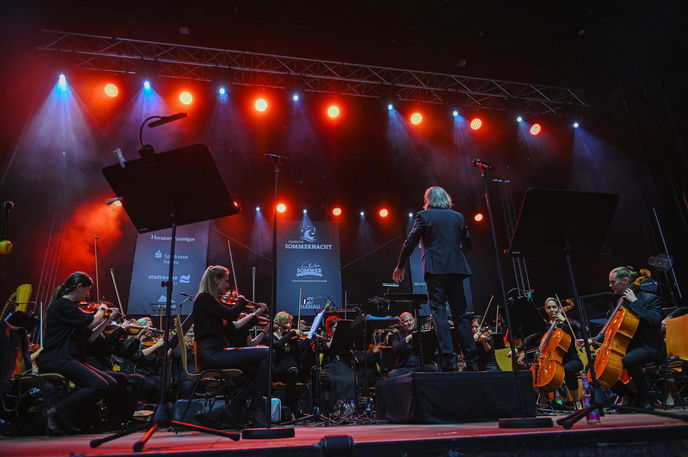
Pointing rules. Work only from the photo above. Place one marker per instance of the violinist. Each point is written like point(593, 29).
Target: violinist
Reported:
point(647, 344)
point(213, 348)
point(406, 349)
point(336, 372)
point(146, 360)
point(66, 324)
point(571, 361)
point(483, 340)
point(290, 350)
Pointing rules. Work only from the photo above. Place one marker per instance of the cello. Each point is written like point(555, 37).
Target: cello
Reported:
point(548, 369)
point(618, 333)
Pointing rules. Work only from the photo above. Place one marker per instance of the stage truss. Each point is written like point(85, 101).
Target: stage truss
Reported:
point(130, 56)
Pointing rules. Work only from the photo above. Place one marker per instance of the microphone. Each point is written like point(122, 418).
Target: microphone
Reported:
point(276, 157)
point(484, 165)
point(120, 157)
point(110, 201)
point(184, 294)
point(8, 206)
point(167, 119)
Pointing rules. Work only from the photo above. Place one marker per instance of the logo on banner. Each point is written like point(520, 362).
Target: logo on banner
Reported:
point(185, 279)
point(309, 269)
point(308, 232)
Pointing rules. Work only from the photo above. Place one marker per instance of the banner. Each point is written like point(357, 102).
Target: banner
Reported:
point(151, 268)
point(308, 265)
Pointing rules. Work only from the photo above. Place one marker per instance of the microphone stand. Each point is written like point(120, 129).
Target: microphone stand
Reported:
point(269, 432)
point(521, 422)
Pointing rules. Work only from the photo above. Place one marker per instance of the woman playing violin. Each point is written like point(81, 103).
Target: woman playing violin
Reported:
point(213, 348)
point(483, 341)
point(647, 344)
point(66, 326)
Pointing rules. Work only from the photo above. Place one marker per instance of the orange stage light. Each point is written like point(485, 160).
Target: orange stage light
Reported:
point(281, 208)
point(333, 111)
point(478, 217)
point(185, 97)
point(337, 211)
point(383, 212)
point(416, 118)
point(261, 105)
point(476, 123)
point(111, 90)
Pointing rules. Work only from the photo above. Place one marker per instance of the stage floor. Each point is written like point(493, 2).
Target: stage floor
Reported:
point(630, 435)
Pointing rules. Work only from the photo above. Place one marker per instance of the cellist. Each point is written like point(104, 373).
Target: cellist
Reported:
point(571, 361)
point(647, 344)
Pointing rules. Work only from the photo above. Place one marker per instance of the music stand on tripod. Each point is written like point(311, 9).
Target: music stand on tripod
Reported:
point(555, 223)
point(155, 197)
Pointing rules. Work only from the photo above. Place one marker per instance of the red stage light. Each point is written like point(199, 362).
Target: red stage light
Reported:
point(416, 118)
point(261, 105)
point(535, 129)
point(185, 97)
point(478, 217)
point(383, 212)
point(337, 211)
point(333, 111)
point(476, 123)
point(281, 208)
point(111, 90)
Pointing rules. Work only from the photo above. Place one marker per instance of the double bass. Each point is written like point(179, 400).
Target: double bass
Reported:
point(618, 333)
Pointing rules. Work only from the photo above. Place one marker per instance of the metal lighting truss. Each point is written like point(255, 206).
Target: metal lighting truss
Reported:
point(125, 55)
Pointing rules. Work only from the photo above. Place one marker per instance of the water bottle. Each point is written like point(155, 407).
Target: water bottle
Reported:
point(593, 417)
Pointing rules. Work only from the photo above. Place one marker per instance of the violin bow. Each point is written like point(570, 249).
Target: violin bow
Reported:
point(486, 311)
point(114, 283)
point(561, 307)
point(231, 262)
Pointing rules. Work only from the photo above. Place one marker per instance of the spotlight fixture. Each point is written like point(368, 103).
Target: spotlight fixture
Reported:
point(383, 212)
point(147, 85)
point(185, 97)
point(362, 213)
point(305, 211)
point(111, 90)
point(222, 91)
point(62, 82)
point(478, 217)
point(261, 105)
point(337, 211)
point(575, 125)
point(333, 111)
point(455, 113)
point(535, 129)
point(519, 118)
point(295, 97)
point(281, 208)
point(410, 214)
point(476, 123)
point(416, 118)
point(390, 107)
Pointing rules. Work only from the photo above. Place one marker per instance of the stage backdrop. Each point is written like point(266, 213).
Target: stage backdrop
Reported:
point(308, 261)
point(152, 263)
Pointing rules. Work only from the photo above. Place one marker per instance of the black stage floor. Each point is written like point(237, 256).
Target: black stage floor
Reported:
point(617, 435)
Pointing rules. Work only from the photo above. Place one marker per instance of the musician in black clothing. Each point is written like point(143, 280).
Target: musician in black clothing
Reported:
point(405, 348)
point(213, 350)
point(66, 326)
point(647, 344)
point(571, 360)
point(485, 344)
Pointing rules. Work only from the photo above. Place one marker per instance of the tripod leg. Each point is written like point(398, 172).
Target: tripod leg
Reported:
point(138, 446)
point(212, 431)
point(97, 442)
point(568, 421)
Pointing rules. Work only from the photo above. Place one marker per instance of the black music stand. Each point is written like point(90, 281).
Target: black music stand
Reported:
point(155, 197)
point(554, 223)
point(367, 324)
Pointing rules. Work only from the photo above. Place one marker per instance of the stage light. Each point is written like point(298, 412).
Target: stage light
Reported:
point(146, 85)
point(261, 105)
point(535, 129)
point(455, 113)
point(519, 118)
point(185, 97)
point(118, 203)
point(305, 211)
point(362, 213)
point(222, 91)
point(62, 82)
point(478, 217)
point(111, 90)
point(257, 209)
point(295, 97)
point(575, 125)
point(410, 214)
point(383, 212)
point(390, 107)
point(281, 208)
point(476, 123)
point(336, 211)
point(416, 118)
point(333, 111)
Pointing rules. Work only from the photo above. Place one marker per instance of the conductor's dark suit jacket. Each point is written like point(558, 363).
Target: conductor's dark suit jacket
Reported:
point(445, 241)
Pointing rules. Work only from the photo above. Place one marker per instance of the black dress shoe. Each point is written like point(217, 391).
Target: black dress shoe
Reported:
point(448, 362)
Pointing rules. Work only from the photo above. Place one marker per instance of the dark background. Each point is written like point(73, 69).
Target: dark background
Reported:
point(627, 59)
